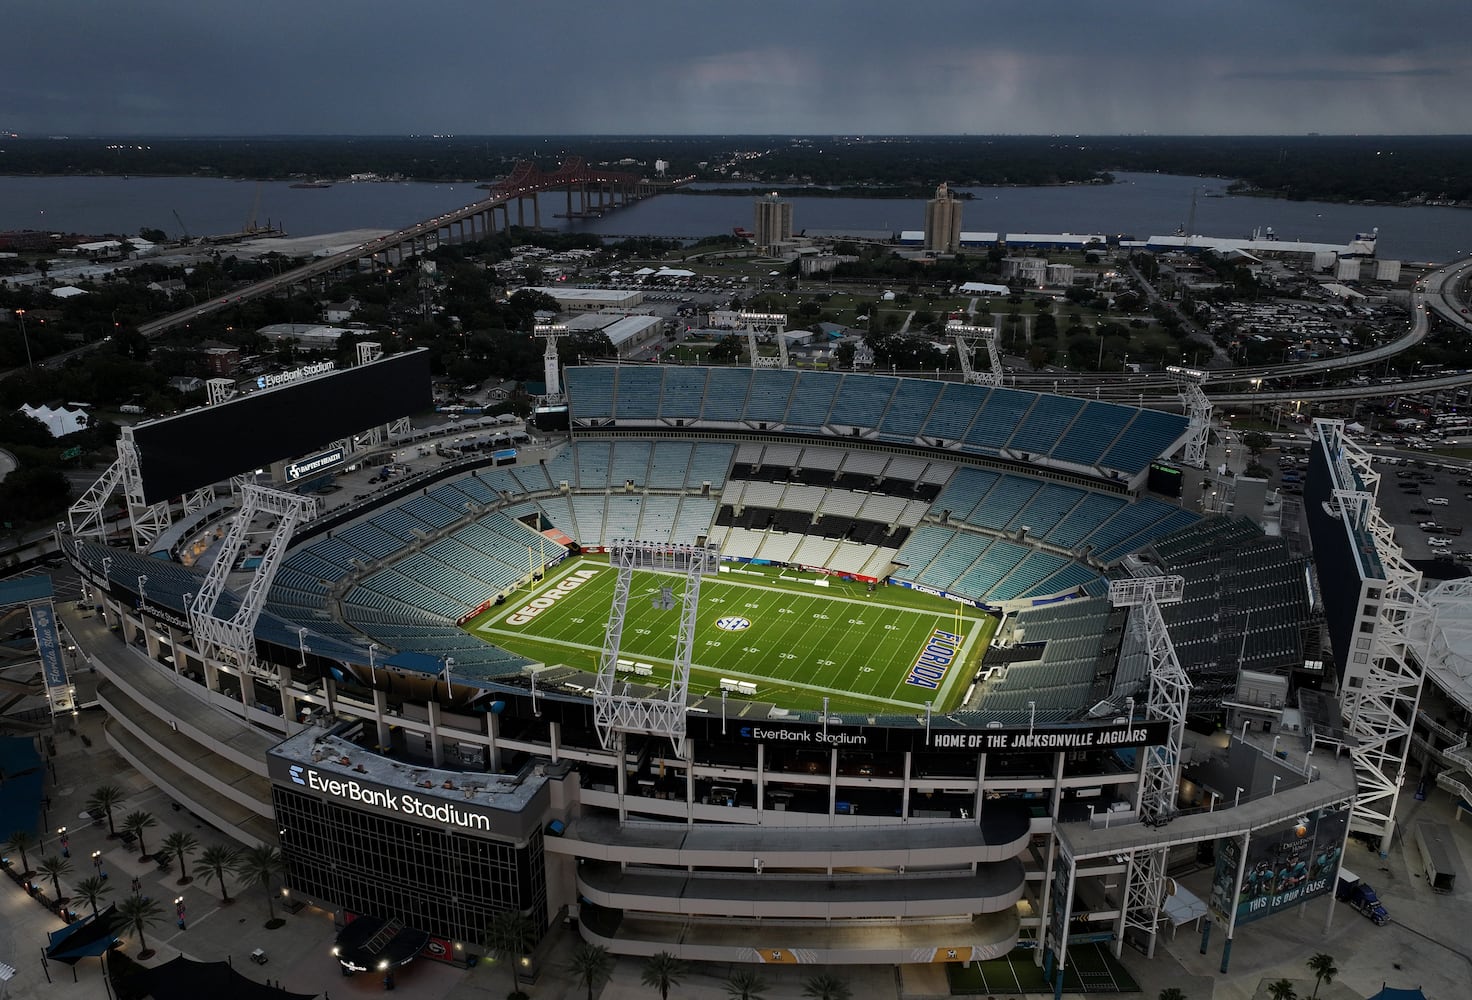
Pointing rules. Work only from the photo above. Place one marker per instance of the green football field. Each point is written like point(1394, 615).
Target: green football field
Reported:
point(796, 636)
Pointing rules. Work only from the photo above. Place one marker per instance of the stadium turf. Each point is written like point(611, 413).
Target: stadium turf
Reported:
point(796, 636)
point(1091, 968)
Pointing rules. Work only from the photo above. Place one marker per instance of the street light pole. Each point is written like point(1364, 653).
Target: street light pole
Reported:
point(21, 315)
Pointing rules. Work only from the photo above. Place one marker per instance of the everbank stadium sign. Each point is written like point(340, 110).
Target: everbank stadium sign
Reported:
point(561, 589)
point(389, 799)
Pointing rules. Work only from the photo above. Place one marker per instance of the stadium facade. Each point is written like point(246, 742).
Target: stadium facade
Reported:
point(408, 769)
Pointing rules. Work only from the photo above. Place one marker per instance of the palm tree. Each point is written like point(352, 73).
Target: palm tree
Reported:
point(1324, 970)
point(662, 971)
point(140, 913)
point(54, 868)
point(591, 963)
point(92, 890)
point(104, 797)
point(260, 865)
point(508, 938)
point(744, 984)
point(181, 845)
point(826, 987)
point(21, 841)
point(1282, 989)
point(135, 823)
point(214, 862)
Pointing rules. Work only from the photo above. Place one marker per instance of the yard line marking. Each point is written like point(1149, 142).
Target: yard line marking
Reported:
point(761, 678)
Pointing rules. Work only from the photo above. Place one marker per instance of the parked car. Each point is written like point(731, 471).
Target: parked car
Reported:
point(1437, 501)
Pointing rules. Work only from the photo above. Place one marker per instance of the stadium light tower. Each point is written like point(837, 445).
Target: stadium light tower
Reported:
point(1198, 410)
point(1160, 772)
point(967, 337)
point(233, 638)
point(774, 323)
point(552, 333)
point(617, 711)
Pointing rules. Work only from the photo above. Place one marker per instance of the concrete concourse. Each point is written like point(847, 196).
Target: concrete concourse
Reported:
point(1424, 937)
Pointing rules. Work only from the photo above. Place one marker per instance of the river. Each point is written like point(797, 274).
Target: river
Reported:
point(1137, 204)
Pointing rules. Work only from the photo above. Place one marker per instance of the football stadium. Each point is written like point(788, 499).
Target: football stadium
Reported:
point(743, 665)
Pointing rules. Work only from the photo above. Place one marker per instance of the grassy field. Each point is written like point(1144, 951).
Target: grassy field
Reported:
point(797, 636)
point(1091, 968)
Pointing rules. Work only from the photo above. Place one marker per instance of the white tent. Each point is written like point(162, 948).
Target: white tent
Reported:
point(1183, 906)
point(60, 421)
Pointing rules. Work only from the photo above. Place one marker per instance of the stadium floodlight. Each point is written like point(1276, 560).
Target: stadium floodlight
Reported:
point(619, 711)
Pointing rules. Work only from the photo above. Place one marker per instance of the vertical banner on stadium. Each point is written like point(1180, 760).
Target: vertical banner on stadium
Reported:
point(1061, 904)
point(53, 666)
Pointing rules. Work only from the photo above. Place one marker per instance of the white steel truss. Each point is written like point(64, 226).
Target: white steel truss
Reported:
point(1198, 413)
point(233, 639)
point(1160, 770)
point(87, 517)
point(967, 337)
point(148, 520)
point(774, 323)
point(1380, 712)
point(552, 333)
point(615, 710)
point(220, 390)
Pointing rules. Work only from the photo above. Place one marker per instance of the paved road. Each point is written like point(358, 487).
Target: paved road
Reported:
point(1191, 326)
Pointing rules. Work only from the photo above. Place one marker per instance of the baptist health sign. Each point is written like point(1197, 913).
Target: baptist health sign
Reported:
point(304, 467)
point(53, 666)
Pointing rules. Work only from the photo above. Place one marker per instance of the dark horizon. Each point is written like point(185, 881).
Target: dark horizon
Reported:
point(765, 67)
point(55, 136)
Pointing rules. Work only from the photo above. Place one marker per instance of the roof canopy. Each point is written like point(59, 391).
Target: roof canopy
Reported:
point(87, 938)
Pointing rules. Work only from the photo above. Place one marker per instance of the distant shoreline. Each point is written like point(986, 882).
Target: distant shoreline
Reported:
point(906, 192)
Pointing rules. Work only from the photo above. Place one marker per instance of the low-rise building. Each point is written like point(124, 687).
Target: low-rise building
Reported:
point(591, 299)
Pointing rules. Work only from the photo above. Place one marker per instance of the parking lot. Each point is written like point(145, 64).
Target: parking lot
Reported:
point(1427, 502)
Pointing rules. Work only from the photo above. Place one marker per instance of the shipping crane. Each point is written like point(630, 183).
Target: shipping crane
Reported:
point(182, 228)
point(251, 225)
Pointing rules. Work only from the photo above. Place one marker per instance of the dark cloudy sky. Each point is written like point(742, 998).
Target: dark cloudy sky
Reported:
point(735, 66)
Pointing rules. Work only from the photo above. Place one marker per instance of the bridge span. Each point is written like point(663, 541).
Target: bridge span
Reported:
point(590, 190)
